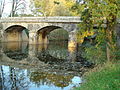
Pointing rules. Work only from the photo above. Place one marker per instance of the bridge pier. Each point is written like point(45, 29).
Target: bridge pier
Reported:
point(37, 38)
point(2, 35)
point(32, 37)
point(72, 43)
point(1, 29)
point(42, 38)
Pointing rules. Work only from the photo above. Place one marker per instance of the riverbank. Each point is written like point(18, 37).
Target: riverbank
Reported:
point(103, 77)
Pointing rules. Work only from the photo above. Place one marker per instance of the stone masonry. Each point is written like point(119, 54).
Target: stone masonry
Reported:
point(39, 27)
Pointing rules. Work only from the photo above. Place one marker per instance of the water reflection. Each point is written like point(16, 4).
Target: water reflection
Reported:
point(16, 50)
point(43, 78)
point(39, 67)
point(12, 79)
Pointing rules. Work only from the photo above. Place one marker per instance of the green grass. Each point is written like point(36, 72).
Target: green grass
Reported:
point(106, 77)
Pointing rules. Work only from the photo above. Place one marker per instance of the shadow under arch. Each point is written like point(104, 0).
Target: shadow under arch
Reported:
point(42, 34)
point(16, 33)
point(16, 50)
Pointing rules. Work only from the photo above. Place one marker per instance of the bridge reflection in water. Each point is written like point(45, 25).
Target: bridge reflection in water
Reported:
point(32, 67)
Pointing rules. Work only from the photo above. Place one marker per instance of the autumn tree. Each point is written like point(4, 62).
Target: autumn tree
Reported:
point(103, 15)
point(53, 7)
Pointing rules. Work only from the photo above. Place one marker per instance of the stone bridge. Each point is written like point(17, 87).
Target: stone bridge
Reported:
point(36, 29)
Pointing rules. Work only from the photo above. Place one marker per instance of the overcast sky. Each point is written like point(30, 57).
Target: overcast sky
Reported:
point(8, 5)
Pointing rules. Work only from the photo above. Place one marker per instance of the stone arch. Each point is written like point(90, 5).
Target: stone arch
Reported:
point(7, 25)
point(15, 33)
point(66, 26)
point(69, 27)
point(41, 35)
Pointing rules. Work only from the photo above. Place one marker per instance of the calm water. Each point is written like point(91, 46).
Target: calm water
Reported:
point(40, 67)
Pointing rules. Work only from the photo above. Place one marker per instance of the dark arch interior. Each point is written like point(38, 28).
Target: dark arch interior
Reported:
point(48, 29)
point(53, 32)
point(14, 27)
point(16, 33)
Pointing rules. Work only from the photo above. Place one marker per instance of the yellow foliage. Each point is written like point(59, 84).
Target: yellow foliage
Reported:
point(72, 44)
point(54, 7)
point(71, 49)
point(83, 35)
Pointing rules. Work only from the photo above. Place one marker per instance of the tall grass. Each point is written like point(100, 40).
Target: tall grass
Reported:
point(105, 77)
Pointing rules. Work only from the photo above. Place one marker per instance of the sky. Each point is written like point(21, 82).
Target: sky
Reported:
point(8, 5)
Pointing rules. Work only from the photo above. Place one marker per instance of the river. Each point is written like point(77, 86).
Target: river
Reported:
point(40, 67)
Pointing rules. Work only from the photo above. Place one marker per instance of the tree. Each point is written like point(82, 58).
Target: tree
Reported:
point(2, 6)
point(17, 5)
point(52, 7)
point(104, 14)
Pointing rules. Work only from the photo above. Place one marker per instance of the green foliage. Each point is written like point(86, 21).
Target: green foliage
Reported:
point(105, 78)
point(95, 54)
point(97, 12)
point(115, 54)
point(101, 38)
point(102, 15)
point(58, 35)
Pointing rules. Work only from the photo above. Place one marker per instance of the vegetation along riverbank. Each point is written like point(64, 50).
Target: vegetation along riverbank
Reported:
point(103, 77)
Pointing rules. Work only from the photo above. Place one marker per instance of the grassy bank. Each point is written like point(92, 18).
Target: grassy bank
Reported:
point(105, 77)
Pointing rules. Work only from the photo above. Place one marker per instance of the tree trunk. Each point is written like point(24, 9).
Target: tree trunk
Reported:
point(110, 43)
point(108, 53)
point(13, 6)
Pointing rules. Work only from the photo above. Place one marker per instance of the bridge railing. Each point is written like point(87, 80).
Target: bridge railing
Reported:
point(56, 19)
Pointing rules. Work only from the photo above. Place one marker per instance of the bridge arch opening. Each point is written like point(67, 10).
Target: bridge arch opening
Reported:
point(16, 33)
point(51, 33)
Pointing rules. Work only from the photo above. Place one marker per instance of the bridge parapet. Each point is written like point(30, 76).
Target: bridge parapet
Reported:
point(62, 19)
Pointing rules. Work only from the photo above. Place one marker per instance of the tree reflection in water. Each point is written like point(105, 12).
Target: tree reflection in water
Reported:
point(42, 78)
point(21, 73)
point(13, 79)
point(22, 79)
